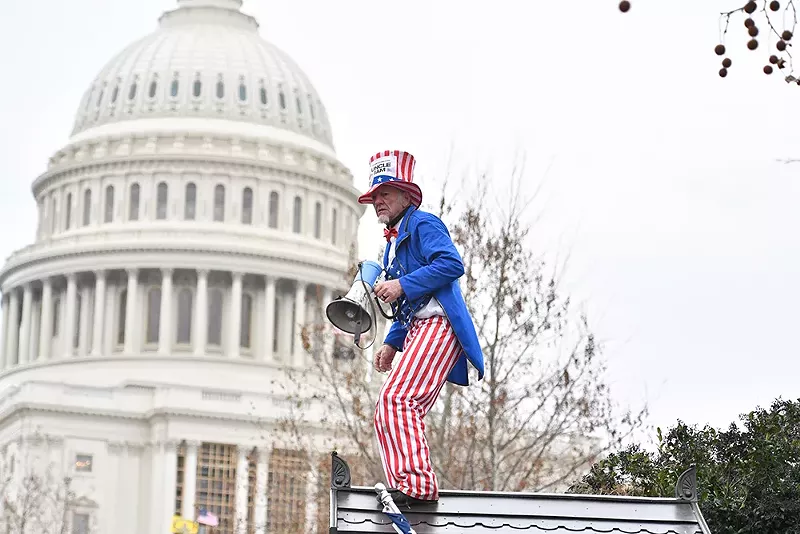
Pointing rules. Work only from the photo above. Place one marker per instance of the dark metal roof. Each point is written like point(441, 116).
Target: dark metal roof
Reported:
point(356, 509)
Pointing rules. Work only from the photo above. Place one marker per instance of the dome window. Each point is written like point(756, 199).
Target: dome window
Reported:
point(263, 96)
point(109, 207)
point(318, 220)
point(219, 203)
point(185, 309)
point(133, 207)
point(299, 105)
point(161, 201)
point(87, 207)
point(311, 108)
point(190, 202)
point(197, 89)
point(247, 206)
point(273, 209)
point(173, 89)
point(220, 89)
point(214, 331)
point(114, 94)
point(242, 92)
point(100, 96)
point(132, 91)
point(297, 222)
point(153, 88)
point(282, 100)
point(68, 215)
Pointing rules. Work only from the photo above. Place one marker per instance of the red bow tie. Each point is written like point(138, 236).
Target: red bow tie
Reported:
point(389, 233)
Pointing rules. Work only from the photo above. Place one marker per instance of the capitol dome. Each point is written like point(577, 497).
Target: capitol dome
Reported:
point(205, 61)
point(190, 230)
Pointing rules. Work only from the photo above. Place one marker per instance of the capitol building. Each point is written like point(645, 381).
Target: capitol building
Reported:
point(196, 219)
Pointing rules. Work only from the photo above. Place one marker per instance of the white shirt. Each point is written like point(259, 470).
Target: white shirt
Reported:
point(432, 308)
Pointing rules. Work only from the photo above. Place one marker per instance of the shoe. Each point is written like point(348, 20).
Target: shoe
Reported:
point(406, 501)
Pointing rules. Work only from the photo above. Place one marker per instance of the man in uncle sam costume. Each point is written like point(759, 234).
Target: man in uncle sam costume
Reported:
point(432, 327)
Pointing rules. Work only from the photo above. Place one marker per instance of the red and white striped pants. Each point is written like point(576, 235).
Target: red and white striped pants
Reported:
point(411, 389)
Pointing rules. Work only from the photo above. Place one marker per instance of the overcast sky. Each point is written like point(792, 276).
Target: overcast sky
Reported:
point(663, 183)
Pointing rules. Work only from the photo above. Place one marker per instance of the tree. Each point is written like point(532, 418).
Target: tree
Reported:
point(748, 476)
point(762, 21)
point(36, 503)
point(543, 410)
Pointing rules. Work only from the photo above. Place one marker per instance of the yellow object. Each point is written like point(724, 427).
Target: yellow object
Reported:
point(181, 525)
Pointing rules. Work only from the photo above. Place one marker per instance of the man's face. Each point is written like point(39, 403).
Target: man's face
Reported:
point(389, 202)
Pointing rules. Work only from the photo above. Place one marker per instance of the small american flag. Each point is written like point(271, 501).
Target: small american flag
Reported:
point(207, 518)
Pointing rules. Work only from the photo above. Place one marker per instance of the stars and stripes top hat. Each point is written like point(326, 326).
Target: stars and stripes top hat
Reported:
point(394, 168)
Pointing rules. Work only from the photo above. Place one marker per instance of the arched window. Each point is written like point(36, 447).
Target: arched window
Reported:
point(197, 88)
point(263, 96)
point(242, 92)
point(215, 317)
point(153, 314)
point(173, 88)
point(282, 100)
point(114, 94)
point(299, 105)
point(185, 309)
point(220, 89)
point(318, 220)
point(100, 96)
point(132, 91)
point(133, 204)
point(190, 202)
point(54, 216)
point(245, 336)
point(311, 107)
point(109, 208)
point(68, 215)
point(219, 203)
point(153, 88)
point(56, 316)
point(161, 201)
point(334, 219)
point(122, 310)
point(247, 206)
point(297, 226)
point(87, 207)
point(273, 209)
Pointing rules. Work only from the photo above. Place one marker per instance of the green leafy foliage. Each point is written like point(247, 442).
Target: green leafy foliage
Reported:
point(748, 474)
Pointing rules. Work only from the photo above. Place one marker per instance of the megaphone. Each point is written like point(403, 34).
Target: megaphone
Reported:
point(351, 313)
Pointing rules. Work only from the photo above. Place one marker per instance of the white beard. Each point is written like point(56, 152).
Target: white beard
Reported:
point(383, 219)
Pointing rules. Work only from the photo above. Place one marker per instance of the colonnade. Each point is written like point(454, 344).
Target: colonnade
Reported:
point(132, 311)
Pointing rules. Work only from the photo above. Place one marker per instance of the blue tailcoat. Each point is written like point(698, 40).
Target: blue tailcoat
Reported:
point(427, 264)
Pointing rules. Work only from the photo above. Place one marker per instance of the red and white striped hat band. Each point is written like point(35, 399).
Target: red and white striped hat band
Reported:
point(394, 168)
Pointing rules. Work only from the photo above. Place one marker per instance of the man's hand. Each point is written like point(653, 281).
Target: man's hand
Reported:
point(389, 291)
point(383, 358)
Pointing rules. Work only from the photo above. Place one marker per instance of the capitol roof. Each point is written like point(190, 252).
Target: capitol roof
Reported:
point(205, 61)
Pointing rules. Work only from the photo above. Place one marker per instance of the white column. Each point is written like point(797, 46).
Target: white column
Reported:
point(69, 327)
point(36, 324)
point(242, 487)
point(269, 318)
point(46, 323)
point(3, 352)
point(235, 315)
point(83, 332)
point(299, 322)
point(262, 473)
point(327, 337)
point(165, 317)
point(200, 327)
point(12, 333)
point(99, 312)
point(130, 310)
point(189, 480)
point(170, 480)
point(25, 326)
